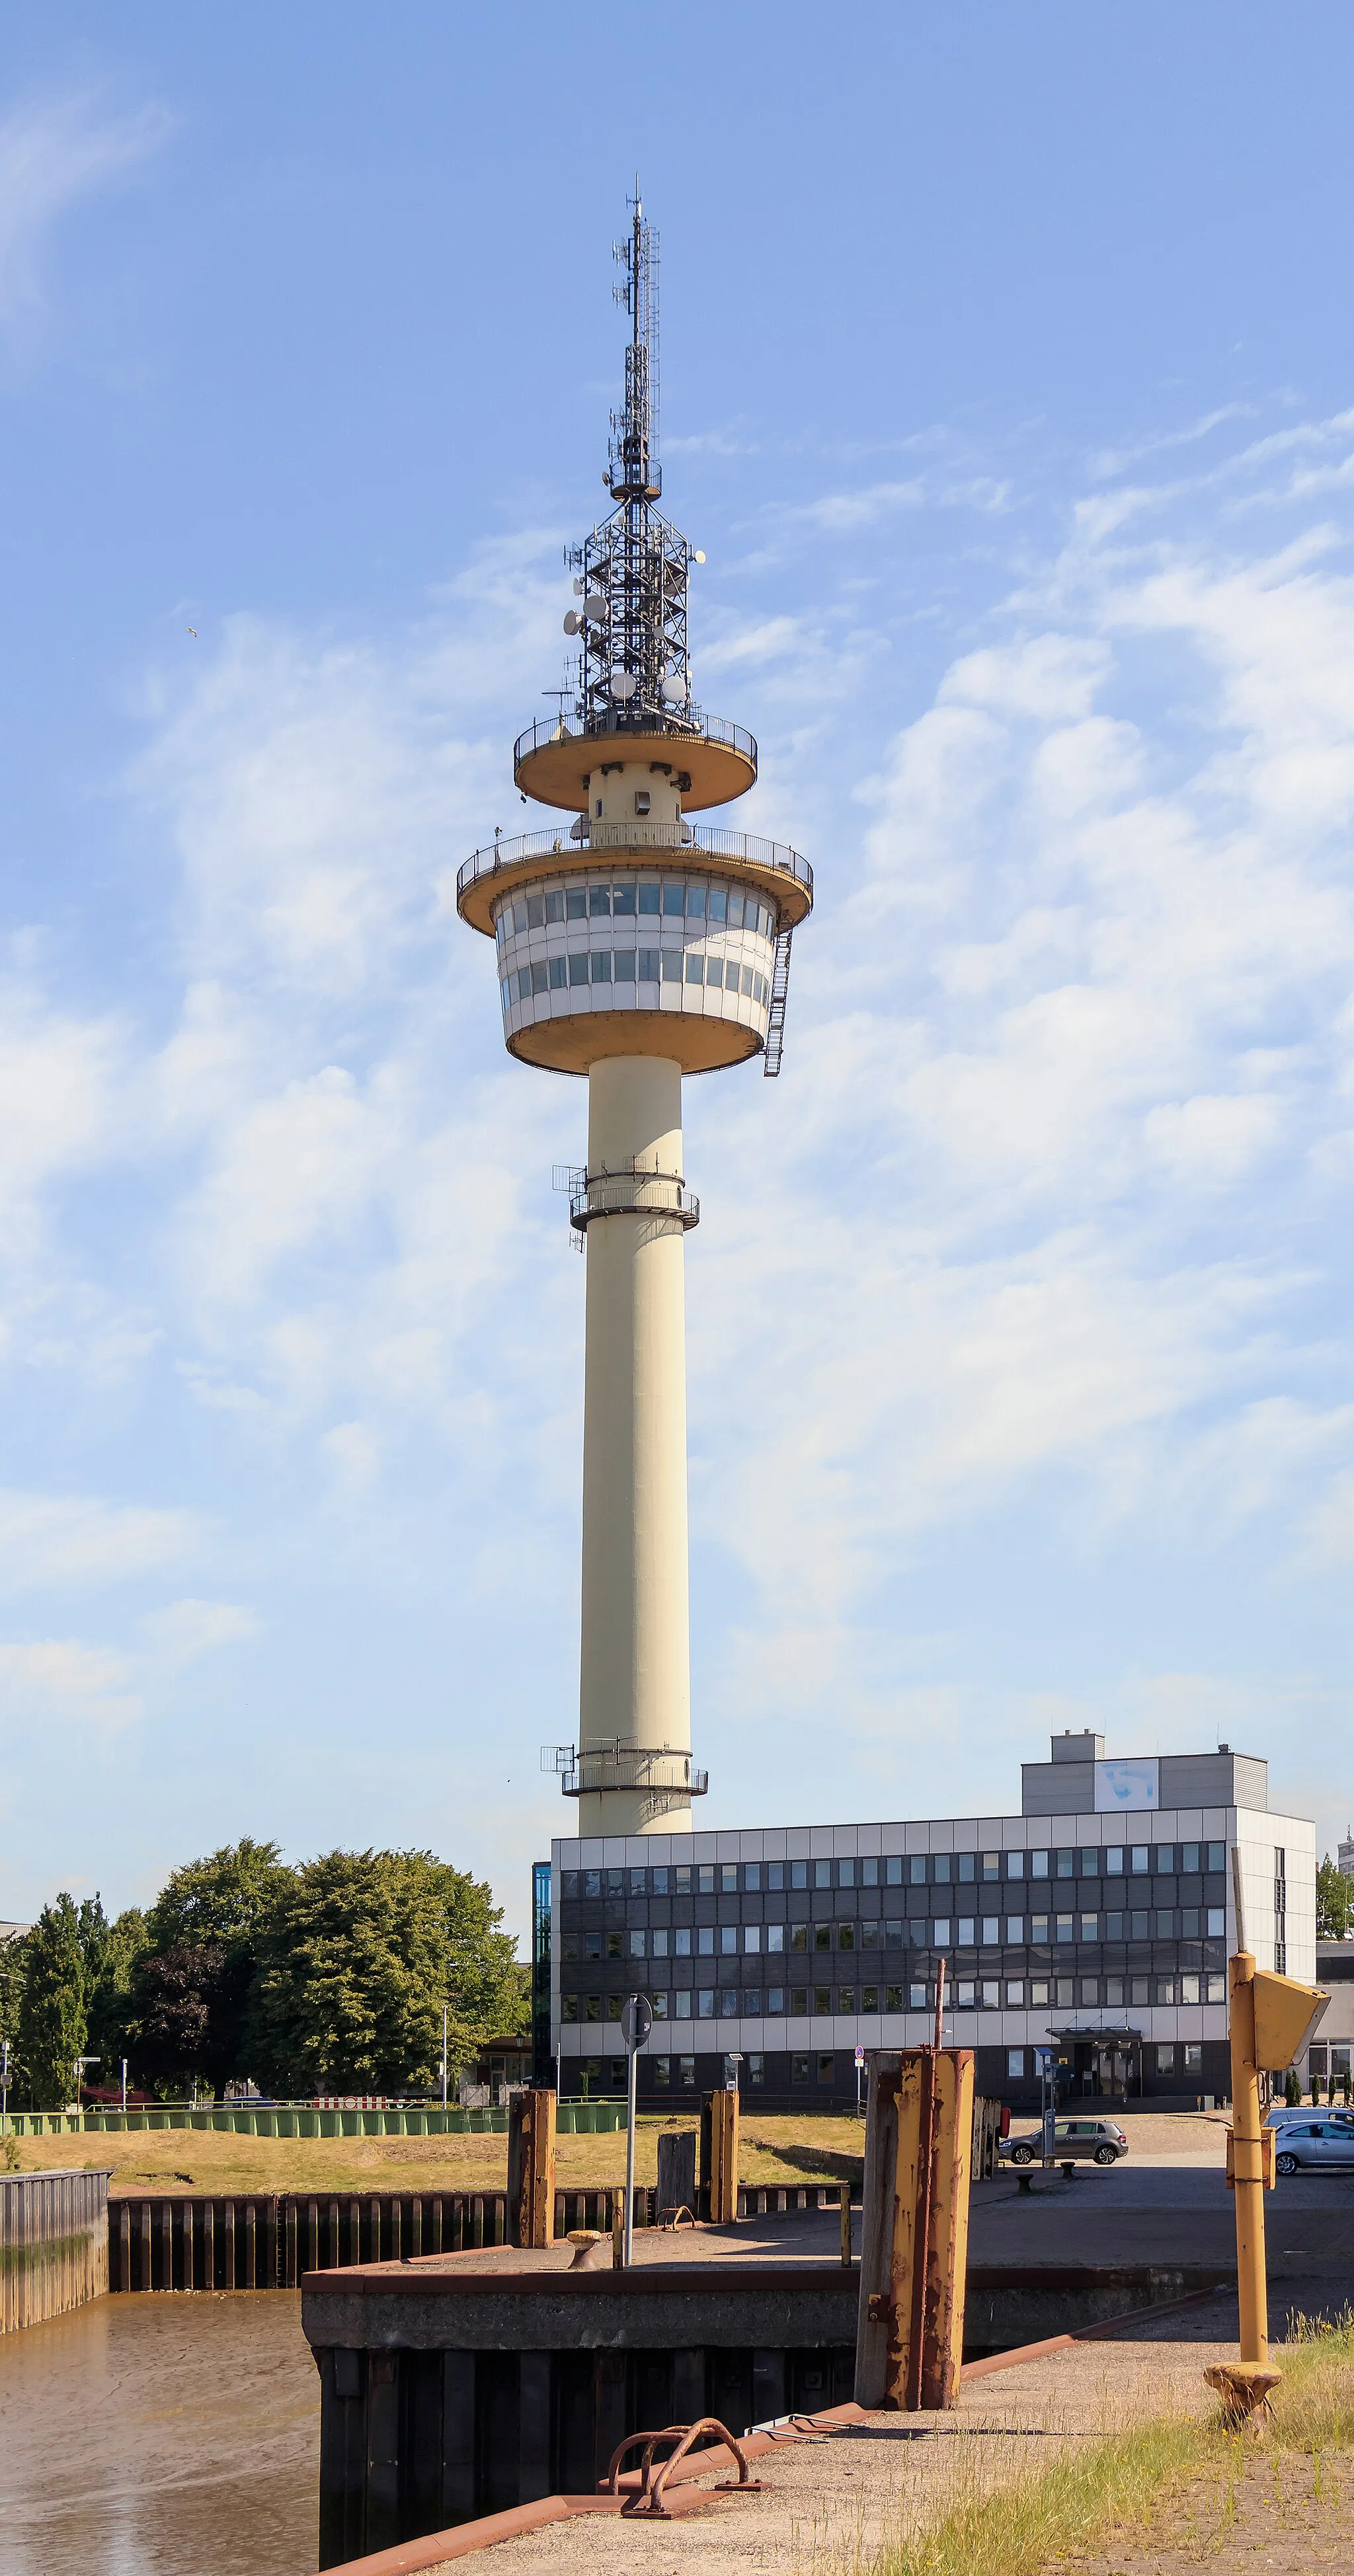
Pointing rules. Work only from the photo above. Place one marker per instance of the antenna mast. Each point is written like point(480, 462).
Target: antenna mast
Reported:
point(633, 670)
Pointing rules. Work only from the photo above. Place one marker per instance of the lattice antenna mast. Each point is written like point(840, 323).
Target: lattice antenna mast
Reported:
point(633, 669)
point(635, 471)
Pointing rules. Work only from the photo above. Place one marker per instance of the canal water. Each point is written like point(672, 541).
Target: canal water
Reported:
point(161, 2436)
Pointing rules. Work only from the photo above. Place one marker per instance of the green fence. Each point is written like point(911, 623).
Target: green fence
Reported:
point(302, 2120)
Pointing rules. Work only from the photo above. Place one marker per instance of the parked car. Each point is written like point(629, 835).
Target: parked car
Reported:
point(1099, 2142)
point(1314, 2142)
point(1284, 2113)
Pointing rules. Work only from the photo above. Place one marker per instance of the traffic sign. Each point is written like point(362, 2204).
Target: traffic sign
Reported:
point(860, 2057)
point(636, 2021)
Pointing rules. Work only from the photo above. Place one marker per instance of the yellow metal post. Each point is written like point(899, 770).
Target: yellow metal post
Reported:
point(1270, 2020)
point(1247, 2167)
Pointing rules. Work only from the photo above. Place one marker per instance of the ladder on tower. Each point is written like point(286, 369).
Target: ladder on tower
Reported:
point(775, 1025)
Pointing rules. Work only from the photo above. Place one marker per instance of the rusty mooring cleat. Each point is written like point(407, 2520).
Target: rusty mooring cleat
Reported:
point(585, 2241)
point(1244, 2390)
point(648, 2496)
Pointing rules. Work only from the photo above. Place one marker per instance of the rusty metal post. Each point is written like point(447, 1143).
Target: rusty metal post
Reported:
point(914, 2253)
point(531, 2168)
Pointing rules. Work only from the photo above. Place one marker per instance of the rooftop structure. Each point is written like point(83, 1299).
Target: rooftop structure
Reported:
point(634, 947)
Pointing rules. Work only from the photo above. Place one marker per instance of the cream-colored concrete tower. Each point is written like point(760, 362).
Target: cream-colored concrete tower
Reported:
point(635, 947)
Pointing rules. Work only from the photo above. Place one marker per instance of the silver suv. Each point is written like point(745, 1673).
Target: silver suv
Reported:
point(1099, 2142)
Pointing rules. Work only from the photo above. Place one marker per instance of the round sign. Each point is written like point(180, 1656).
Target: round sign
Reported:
point(860, 2057)
point(636, 2021)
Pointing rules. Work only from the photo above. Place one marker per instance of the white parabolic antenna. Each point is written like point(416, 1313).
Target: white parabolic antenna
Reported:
point(570, 621)
point(674, 690)
point(623, 684)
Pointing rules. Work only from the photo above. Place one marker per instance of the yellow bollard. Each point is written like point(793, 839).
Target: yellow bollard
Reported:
point(1270, 2020)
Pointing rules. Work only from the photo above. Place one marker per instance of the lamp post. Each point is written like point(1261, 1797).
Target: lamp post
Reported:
point(80, 2064)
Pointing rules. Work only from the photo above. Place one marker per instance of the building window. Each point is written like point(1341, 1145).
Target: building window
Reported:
point(775, 1936)
point(799, 1999)
point(963, 1995)
point(775, 1999)
point(991, 1994)
point(728, 2002)
point(1015, 1990)
point(1140, 1860)
point(991, 1930)
point(1138, 1990)
point(1090, 1927)
point(869, 1999)
point(613, 2007)
point(940, 1934)
point(687, 2067)
point(822, 1936)
point(1038, 1992)
point(1166, 2058)
point(1015, 1927)
point(1189, 1860)
point(799, 1873)
point(568, 2007)
point(1194, 2057)
point(672, 965)
point(1114, 1990)
point(662, 2072)
point(1217, 1922)
point(1015, 2064)
point(799, 2070)
point(917, 1998)
point(752, 2002)
point(681, 1941)
point(1114, 1862)
point(1039, 1864)
point(846, 1999)
point(1114, 1927)
point(658, 1941)
point(756, 2067)
point(1216, 1984)
point(1090, 1990)
point(1217, 1856)
point(705, 1940)
point(752, 1936)
point(822, 1999)
point(1064, 1989)
point(1189, 1988)
point(799, 1936)
point(827, 2068)
point(637, 1945)
point(681, 2003)
point(705, 2003)
point(1067, 1864)
point(1062, 1927)
point(893, 1999)
point(1166, 1923)
point(728, 1937)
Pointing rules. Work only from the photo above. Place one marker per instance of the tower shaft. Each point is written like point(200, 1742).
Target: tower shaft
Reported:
point(635, 1685)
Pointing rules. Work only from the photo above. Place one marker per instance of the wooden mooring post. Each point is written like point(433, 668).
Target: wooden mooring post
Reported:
point(531, 2168)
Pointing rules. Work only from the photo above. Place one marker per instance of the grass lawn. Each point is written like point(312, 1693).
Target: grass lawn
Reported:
point(786, 2150)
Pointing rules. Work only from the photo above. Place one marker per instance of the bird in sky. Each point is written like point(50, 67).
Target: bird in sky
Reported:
point(193, 632)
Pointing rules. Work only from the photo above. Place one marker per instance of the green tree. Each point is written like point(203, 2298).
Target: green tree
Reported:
point(51, 2020)
point(1334, 1902)
point(191, 1988)
point(111, 1951)
point(358, 1957)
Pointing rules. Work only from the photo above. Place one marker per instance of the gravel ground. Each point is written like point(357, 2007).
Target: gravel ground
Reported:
point(831, 2503)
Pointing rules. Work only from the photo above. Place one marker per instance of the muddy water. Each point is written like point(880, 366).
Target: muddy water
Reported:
point(154, 2436)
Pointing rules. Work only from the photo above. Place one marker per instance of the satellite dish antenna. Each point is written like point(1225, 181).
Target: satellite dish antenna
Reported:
point(674, 690)
point(698, 557)
point(570, 621)
point(594, 606)
point(623, 684)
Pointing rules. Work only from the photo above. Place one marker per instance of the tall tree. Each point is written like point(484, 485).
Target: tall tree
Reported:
point(110, 1957)
point(358, 1957)
point(1334, 1903)
point(214, 1907)
point(51, 2031)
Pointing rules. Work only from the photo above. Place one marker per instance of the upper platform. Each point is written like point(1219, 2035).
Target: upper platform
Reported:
point(710, 759)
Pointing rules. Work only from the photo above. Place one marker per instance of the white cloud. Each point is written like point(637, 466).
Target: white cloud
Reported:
point(185, 1630)
point(50, 1541)
point(54, 152)
point(63, 1683)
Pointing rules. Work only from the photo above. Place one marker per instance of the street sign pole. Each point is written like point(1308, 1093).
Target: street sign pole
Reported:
point(636, 2024)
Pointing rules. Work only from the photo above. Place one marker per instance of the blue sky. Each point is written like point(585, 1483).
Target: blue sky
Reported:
point(1007, 387)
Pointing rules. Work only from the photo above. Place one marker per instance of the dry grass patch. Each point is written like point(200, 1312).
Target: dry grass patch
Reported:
point(1166, 2494)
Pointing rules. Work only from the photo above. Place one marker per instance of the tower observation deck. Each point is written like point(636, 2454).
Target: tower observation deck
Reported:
point(635, 946)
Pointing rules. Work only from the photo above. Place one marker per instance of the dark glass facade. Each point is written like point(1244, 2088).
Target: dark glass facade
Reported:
point(1095, 1937)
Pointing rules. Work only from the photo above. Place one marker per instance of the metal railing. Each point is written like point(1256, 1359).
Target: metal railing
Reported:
point(698, 840)
point(673, 729)
point(623, 1764)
